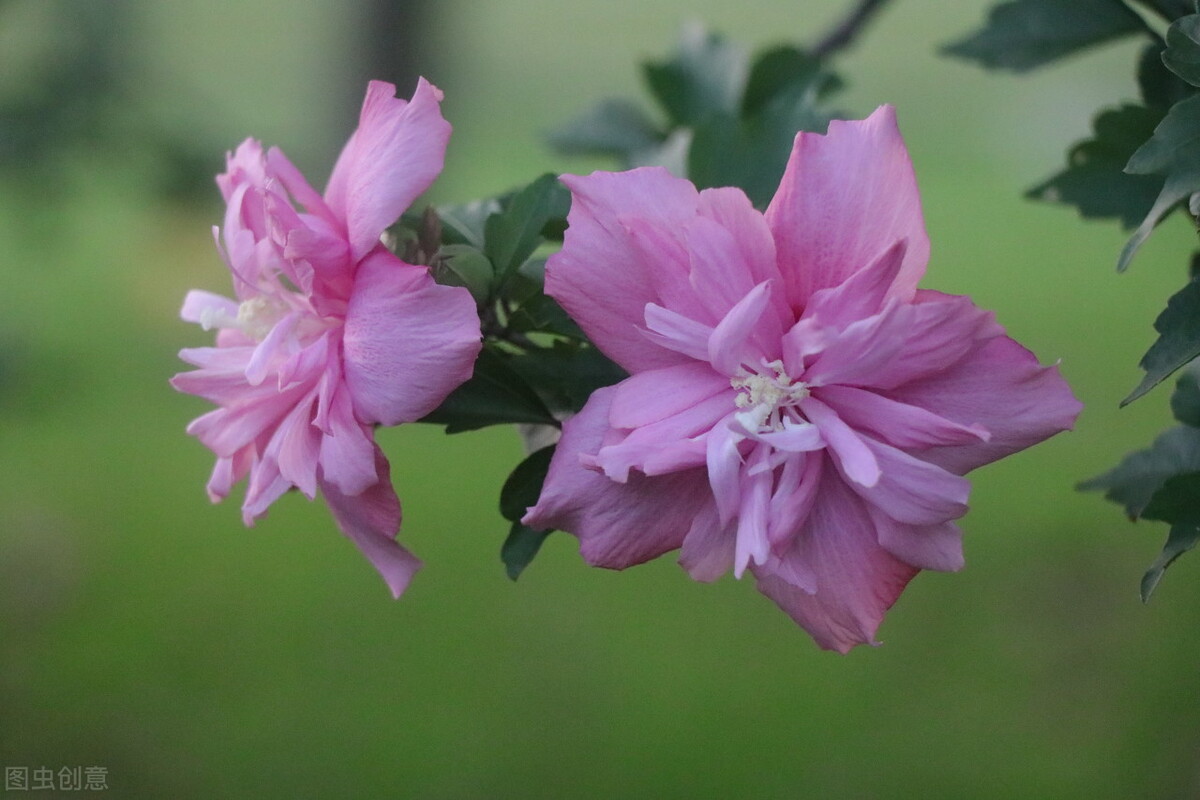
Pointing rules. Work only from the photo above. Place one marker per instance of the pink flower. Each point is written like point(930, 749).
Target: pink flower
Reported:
point(330, 333)
point(796, 406)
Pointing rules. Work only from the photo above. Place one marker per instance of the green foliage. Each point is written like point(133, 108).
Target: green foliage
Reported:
point(729, 121)
point(1182, 55)
point(1162, 482)
point(1095, 181)
point(1025, 34)
point(1178, 341)
point(511, 235)
point(495, 395)
point(521, 491)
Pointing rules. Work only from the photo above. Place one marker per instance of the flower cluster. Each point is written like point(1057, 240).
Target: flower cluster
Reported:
point(330, 332)
point(796, 406)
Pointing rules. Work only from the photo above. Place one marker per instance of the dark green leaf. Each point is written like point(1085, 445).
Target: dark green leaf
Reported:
point(495, 395)
point(1133, 482)
point(705, 76)
point(1171, 9)
point(1182, 55)
point(1181, 539)
point(1177, 501)
point(541, 313)
point(1095, 181)
point(1024, 34)
point(524, 485)
point(520, 548)
point(513, 234)
point(565, 375)
point(1185, 402)
point(1160, 88)
point(1174, 151)
point(752, 153)
point(463, 265)
point(1178, 341)
point(614, 127)
point(780, 69)
point(463, 224)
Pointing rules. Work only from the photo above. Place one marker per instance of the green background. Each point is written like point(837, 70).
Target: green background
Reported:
point(144, 630)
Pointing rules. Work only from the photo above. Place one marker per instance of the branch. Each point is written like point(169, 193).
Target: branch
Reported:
point(844, 33)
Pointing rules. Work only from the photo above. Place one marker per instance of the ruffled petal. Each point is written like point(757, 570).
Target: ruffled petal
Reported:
point(845, 198)
point(618, 524)
point(857, 580)
point(393, 157)
point(371, 520)
point(408, 341)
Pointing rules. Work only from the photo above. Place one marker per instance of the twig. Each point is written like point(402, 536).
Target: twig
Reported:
point(844, 33)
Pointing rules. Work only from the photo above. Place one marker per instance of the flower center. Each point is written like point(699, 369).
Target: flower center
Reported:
point(766, 395)
point(258, 315)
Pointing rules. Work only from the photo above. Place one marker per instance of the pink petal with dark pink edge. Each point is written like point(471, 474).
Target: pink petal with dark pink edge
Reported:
point(676, 439)
point(601, 277)
point(937, 547)
point(720, 277)
point(863, 349)
point(857, 580)
point(657, 394)
point(861, 295)
point(896, 423)
point(1001, 387)
point(371, 519)
point(393, 157)
point(736, 341)
point(752, 544)
point(708, 548)
point(731, 209)
point(408, 341)
point(845, 198)
point(724, 463)
point(346, 451)
point(795, 492)
point(229, 429)
point(855, 459)
point(296, 447)
point(676, 332)
point(617, 524)
point(297, 186)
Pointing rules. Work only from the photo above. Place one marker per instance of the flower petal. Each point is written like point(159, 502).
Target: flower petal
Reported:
point(845, 198)
point(393, 156)
point(371, 519)
point(618, 524)
point(408, 341)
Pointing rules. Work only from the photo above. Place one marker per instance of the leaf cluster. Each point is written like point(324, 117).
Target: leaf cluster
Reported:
point(724, 119)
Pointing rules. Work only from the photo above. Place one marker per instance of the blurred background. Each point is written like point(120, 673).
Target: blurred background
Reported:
point(147, 632)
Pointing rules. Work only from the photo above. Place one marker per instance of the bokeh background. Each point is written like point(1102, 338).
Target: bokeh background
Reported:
point(146, 631)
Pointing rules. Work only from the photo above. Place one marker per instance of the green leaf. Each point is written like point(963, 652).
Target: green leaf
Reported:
point(613, 127)
point(565, 375)
point(495, 395)
point(779, 70)
point(1181, 539)
point(541, 313)
point(1160, 87)
point(1185, 401)
point(1171, 9)
point(1134, 481)
point(1177, 501)
point(1025, 34)
point(513, 234)
point(520, 548)
point(752, 153)
point(705, 76)
point(524, 485)
point(1095, 181)
point(1174, 151)
point(463, 224)
point(1178, 342)
point(463, 265)
point(1182, 55)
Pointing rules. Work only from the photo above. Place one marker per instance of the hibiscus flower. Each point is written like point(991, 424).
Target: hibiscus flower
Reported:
point(796, 406)
point(330, 333)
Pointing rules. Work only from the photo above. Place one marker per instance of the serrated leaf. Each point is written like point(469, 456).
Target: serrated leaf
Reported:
point(1185, 401)
point(705, 76)
point(1173, 151)
point(1177, 501)
point(1133, 482)
point(524, 485)
point(1181, 539)
point(495, 395)
point(1160, 87)
point(1182, 55)
point(513, 234)
point(613, 127)
point(1025, 34)
point(520, 548)
point(1095, 181)
point(1178, 341)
